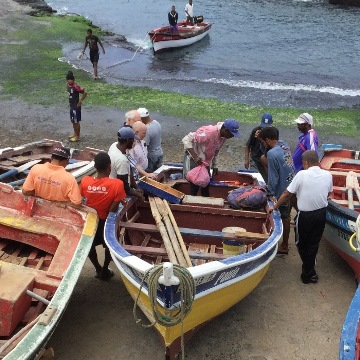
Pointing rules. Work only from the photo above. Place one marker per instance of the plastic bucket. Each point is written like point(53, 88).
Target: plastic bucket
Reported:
point(232, 246)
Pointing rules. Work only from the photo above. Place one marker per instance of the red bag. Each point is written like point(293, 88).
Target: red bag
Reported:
point(199, 175)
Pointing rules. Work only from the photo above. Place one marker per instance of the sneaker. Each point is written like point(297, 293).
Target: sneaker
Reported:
point(313, 279)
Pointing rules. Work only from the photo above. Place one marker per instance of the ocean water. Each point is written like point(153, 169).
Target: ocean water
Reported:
point(289, 53)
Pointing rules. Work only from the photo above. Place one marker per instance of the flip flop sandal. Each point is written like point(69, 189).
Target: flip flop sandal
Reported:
point(71, 136)
point(74, 139)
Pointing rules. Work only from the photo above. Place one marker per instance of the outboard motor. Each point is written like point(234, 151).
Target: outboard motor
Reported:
point(198, 19)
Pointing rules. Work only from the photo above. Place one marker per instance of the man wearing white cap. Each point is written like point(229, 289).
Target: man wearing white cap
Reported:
point(308, 140)
point(152, 141)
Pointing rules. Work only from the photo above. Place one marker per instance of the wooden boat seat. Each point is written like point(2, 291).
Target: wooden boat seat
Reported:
point(246, 237)
point(202, 200)
point(46, 235)
point(344, 202)
point(341, 173)
point(160, 251)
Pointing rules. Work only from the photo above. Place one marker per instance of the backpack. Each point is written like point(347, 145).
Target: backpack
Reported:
point(247, 197)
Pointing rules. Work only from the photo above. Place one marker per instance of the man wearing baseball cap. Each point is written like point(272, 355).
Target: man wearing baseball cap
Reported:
point(308, 140)
point(152, 141)
point(204, 145)
point(253, 146)
point(120, 166)
point(51, 181)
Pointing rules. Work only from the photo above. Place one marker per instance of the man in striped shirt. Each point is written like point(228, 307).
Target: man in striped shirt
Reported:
point(308, 140)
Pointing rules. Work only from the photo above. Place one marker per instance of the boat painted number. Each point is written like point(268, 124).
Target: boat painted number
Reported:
point(225, 276)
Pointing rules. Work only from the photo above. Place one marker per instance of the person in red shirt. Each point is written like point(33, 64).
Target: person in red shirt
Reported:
point(104, 195)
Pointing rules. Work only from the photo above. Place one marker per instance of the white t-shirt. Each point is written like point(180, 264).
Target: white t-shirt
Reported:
point(189, 9)
point(119, 163)
point(311, 187)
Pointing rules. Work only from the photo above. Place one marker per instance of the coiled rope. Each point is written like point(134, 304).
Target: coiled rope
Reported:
point(187, 294)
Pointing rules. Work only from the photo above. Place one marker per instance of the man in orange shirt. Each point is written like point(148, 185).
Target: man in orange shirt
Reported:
point(51, 181)
point(104, 195)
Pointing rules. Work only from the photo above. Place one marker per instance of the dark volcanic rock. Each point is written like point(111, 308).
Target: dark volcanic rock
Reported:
point(345, 2)
point(37, 5)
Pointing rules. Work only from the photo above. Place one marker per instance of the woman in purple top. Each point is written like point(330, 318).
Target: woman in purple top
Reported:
point(308, 140)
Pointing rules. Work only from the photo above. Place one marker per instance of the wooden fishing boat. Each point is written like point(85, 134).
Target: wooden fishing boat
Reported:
point(16, 162)
point(43, 247)
point(224, 252)
point(342, 231)
point(344, 207)
point(164, 39)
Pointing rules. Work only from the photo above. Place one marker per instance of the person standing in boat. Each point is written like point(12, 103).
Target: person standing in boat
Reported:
point(204, 145)
point(173, 19)
point(92, 41)
point(281, 171)
point(104, 195)
point(189, 11)
point(51, 181)
point(312, 187)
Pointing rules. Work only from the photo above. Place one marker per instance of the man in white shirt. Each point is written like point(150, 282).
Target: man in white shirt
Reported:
point(189, 11)
point(120, 166)
point(312, 187)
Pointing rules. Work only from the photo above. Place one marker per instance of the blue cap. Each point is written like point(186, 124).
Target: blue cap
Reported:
point(266, 120)
point(127, 132)
point(233, 126)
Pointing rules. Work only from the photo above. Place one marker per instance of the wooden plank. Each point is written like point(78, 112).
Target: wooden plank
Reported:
point(146, 240)
point(40, 263)
point(158, 260)
point(244, 236)
point(19, 160)
point(160, 252)
point(134, 218)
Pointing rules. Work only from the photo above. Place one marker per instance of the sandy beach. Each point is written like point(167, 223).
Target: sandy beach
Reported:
point(282, 319)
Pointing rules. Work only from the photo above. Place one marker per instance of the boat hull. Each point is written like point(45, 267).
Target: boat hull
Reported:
point(163, 39)
point(51, 242)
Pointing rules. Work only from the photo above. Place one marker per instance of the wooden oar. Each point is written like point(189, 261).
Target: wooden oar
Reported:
point(171, 233)
point(178, 234)
point(163, 232)
point(19, 169)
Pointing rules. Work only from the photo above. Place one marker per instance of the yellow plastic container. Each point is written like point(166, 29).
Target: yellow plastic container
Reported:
point(233, 246)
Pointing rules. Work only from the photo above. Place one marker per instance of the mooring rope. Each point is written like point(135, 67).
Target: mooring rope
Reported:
point(187, 294)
